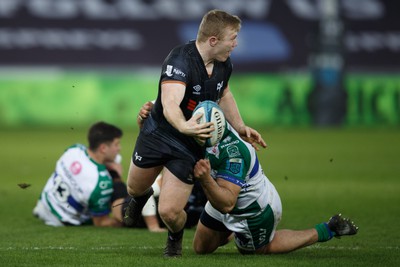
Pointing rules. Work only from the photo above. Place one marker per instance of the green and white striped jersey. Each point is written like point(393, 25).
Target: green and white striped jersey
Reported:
point(236, 161)
point(78, 189)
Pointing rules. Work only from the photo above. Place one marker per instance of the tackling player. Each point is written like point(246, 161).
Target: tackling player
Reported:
point(244, 204)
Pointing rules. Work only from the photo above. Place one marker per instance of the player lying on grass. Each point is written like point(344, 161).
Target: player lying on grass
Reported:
point(87, 183)
point(243, 204)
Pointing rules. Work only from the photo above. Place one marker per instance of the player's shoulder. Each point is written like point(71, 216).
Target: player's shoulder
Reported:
point(77, 151)
point(177, 65)
point(76, 146)
point(182, 52)
point(184, 48)
point(75, 157)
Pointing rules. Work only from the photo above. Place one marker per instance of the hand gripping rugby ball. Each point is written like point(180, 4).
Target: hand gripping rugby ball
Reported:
point(211, 113)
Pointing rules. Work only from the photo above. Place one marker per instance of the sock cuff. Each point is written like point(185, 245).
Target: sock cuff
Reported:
point(324, 233)
point(145, 196)
point(175, 236)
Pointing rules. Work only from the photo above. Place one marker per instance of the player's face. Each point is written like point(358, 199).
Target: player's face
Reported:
point(226, 45)
point(113, 149)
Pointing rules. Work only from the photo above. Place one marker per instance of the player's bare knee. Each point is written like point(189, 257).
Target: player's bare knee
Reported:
point(266, 249)
point(134, 192)
point(201, 249)
point(130, 190)
point(168, 214)
point(168, 218)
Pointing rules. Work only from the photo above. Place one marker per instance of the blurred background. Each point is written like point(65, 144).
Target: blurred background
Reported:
point(68, 63)
point(319, 79)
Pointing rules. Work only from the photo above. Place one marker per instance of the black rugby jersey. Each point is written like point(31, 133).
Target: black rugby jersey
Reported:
point(184, 64)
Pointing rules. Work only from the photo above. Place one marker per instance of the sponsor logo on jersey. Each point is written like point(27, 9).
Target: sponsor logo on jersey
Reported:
point(107, 192)
point(103, 202)
point(171, 71)
point(235, 166)
point(233, 151)
point(179, 72)
point(67, 174)
point(104, 174)
point(61, 190)
point(263, 235)
point(214, 150)
point(196, 89)
point(105, 184)
point(220, 85)
point(227, 139)
point(231, 143)
point(75, 167)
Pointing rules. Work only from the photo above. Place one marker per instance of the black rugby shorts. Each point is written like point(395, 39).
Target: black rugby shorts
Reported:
point(155, 147)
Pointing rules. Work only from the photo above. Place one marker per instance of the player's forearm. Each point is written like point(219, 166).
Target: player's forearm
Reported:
point(219, 197)
point(231, 111)
point(174, 116)
point(106, 221)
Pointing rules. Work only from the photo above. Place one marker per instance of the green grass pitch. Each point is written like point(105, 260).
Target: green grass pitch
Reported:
point(317, 172)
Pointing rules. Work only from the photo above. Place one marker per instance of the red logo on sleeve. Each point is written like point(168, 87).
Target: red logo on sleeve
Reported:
point(75, 167)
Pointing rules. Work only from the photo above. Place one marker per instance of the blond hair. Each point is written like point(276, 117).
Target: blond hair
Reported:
point(215, 22)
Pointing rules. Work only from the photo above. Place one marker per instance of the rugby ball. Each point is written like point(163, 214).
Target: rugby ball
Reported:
point(211, 113)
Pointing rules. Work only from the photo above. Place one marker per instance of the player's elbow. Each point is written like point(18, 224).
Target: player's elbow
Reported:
point(226, 207)
point(225, 210)
point(105, 221)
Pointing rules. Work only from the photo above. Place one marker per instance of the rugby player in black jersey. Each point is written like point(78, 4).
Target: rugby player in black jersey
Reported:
point(170, 138)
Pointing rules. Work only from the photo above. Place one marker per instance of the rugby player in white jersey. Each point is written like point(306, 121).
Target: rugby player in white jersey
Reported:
point(243, 204)
point(87, 183)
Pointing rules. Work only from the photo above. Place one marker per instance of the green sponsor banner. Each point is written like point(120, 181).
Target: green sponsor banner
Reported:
point(59, 99)
point(373, 100)
point(272, 99)
point(79, 98)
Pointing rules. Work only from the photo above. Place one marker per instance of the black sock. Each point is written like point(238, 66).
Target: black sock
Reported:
point(142, 200)
point(175, 236)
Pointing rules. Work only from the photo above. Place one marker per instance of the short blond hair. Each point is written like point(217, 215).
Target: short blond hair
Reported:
point(215, 22)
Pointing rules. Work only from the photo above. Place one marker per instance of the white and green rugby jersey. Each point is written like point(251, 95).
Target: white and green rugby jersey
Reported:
point(78, 189)
point(236, 161)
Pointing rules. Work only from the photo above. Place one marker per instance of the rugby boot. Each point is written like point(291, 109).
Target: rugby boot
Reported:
point(341, 226)
point(134, 209)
